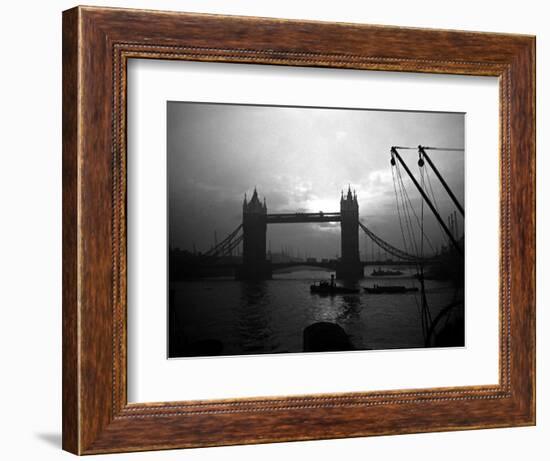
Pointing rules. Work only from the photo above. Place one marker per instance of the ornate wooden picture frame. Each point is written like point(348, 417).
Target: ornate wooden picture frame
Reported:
point(97, 44)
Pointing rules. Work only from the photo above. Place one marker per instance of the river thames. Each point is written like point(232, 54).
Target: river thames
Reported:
point(238, 318)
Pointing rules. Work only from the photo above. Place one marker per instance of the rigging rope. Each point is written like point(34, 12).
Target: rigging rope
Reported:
point(434, 199)
point(422, 306)
point(399, 211)
point(408, 221)
point(426, 314)
point(428, 324)
point(423, 184)
point(447, 149)
point(409, 203)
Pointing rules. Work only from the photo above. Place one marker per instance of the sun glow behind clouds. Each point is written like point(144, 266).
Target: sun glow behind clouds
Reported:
point(322, 204)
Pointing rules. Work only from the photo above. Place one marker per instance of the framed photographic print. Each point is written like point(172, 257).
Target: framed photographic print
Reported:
point(282, 230)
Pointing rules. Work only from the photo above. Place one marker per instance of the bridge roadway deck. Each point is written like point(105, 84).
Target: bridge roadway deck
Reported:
point(284, 218)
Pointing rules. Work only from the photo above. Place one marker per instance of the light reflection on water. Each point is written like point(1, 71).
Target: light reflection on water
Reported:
point(270, 316)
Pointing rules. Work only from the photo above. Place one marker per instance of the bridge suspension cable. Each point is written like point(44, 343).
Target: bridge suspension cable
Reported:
point(388, 247)
point(227, 245)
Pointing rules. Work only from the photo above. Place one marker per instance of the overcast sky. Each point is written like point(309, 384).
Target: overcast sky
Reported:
point(300, 159)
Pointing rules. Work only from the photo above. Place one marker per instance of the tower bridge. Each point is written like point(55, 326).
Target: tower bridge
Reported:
point(252, 234)
point(252, 231)
point(256, 218)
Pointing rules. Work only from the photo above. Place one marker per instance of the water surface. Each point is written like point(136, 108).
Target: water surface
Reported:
point(241, 317)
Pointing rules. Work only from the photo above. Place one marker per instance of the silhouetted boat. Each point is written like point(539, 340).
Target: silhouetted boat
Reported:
point(380, 272)
point(328, 289)
point(388, 289)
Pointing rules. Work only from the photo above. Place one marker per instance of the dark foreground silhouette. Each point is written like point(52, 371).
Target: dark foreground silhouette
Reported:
point(326, 337)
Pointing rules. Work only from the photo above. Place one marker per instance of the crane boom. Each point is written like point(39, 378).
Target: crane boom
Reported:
point(426, 198)
point(422, 151)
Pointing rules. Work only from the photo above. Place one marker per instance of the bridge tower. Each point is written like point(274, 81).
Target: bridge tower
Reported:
point(255, 265)
point(350, 266)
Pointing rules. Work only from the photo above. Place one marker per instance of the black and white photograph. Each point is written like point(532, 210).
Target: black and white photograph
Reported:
point(311, 229)
point(275, 230)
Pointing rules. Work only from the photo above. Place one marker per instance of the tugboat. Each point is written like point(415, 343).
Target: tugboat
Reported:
point(330, 288)
point(389, 289)
point(380, 272)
